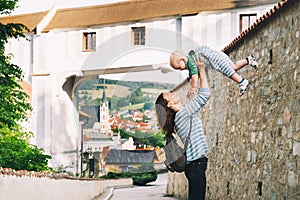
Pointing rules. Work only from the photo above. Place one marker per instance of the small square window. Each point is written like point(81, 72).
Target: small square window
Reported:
point(138, 35)
point(89, 41)
point(246, 20)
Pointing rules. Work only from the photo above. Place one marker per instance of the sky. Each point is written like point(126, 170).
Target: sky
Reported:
point(26, 6)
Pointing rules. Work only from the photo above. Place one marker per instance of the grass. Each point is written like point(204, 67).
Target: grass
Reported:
point(117, 90)
point(153, 90)
point(133, 107)
point(120, 91)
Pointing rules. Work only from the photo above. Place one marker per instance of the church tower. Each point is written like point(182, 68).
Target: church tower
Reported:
point(104, 115)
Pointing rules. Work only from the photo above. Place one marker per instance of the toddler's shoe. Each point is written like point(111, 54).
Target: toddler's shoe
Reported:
point(244, 84)
point(252, 61)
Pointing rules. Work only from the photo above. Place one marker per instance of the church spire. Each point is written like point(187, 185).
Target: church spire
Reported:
point(104, 92)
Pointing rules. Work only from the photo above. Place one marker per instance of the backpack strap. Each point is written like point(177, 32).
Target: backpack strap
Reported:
point(188, 138)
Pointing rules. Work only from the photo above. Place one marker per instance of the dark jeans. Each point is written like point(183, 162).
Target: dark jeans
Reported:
point(195, 173)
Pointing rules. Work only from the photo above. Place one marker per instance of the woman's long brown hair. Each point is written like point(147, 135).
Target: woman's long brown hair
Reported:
point(165, 115)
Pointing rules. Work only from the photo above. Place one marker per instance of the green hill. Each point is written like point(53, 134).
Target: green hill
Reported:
point(117, 90)
point(120, 93)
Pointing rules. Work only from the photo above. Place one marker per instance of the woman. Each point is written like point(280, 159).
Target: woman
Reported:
point(172, 115)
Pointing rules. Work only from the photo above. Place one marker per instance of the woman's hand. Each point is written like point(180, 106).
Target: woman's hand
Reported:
point(199, 62)
point(191, 92)
point(201, 68)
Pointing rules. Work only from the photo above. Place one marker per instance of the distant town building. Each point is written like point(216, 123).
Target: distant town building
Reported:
point(124, 161)
point(129, 144)
point(100, 134)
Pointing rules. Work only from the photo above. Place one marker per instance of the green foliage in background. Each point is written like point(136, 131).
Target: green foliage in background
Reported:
point(12, 99)
point(141, 175)
point(150, 139)
point(17, 153)
point(122, 95)
point(144, 174)
point(15, 150)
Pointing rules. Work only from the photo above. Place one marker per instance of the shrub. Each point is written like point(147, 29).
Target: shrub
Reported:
point(17, 153)
point(140, 176)
point(114, 175)
point(144, 178)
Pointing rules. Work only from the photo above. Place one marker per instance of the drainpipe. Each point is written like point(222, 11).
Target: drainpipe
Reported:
point(31, 59)
point(84, 122)
point(178, 32)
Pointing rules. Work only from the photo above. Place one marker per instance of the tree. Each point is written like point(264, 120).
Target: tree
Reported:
point(17, 153)
point(139, 137)
point(143, 174)
point(6, 6)
point(113, 102)
point(13, 99)
point(15, 150)
point(13, 102)
point(148, 106)
point(136, 96)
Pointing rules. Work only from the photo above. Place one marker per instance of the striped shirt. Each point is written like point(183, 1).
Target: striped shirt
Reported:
point(197, 146)
point(217, 59)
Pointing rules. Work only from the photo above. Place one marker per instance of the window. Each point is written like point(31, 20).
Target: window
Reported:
point(138, 35)
point(89, 41)
point(124, 168)
point(246, 20)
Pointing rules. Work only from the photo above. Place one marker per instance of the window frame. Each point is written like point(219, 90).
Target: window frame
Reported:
point(89, 41)
point(242, 16)
point(141, 40)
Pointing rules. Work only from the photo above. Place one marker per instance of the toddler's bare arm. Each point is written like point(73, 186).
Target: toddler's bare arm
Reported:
point(193, 85)
point(180, 84)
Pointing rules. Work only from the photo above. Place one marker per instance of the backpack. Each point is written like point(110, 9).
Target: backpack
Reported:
point(175, 152)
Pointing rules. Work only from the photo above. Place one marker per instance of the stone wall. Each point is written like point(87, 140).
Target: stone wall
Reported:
point(255, 139)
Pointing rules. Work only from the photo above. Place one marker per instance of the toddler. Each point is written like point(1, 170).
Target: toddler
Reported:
point(214, 59)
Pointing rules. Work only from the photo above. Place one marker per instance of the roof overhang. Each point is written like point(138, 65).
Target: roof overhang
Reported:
point(125, 12)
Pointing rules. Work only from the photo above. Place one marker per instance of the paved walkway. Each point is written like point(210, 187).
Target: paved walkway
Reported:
point(153, 191)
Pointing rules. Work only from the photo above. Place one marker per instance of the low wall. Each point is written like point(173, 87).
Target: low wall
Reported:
point(36, 186)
